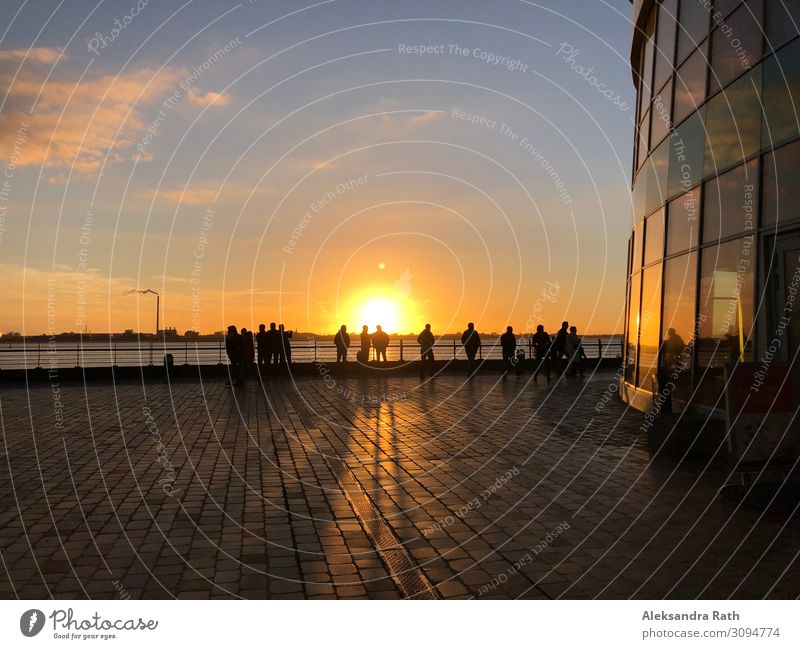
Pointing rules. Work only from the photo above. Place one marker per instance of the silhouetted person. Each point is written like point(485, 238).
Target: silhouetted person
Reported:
point(273, 344)
point(380, 341)
point(285, 353)
point(366, 343)
point(508, 345)
point(471, 342)
point(262, 338)
point(575, 352)
point(234, 349)
point(560, 346)
point(674, 346)
point(541, 350)
point(342, 342)
point(248, 352)
point(426, 342)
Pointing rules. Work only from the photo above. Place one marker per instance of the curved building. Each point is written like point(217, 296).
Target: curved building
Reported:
point(714, 257)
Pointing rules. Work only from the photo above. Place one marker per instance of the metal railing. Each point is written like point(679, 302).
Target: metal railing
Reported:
point(132, 354)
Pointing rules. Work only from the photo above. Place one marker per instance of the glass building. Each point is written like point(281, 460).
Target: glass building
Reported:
point(714, 257)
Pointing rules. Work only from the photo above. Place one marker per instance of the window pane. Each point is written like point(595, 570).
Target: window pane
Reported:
point(661, 115)
point(724, 7)
point(633, 327)
point(647, 61)
point(649, 330)
point(665, 51)
point(654, 237)
point(694, 20)
point(726, 311)
point(686, 154)
point(736, 45)
point(643, 140)
point(782, 16)
point(781, 198)
point(678, 327)
point(733, 123)
point(729, 203)
point(690, 84)
point(657, 182)
point(640, 190)
point(781, 96)
point(682, 224)
point(638, 240)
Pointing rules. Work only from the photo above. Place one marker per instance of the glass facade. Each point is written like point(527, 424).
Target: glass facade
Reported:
point(715, 176)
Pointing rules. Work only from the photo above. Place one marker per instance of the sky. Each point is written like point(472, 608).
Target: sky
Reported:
point(314, 163)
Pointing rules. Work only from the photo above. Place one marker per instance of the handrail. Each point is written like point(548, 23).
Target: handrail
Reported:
point(131, 353)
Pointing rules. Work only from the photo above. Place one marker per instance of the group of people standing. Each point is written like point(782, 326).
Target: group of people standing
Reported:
point(564, 349)
point(273, 347)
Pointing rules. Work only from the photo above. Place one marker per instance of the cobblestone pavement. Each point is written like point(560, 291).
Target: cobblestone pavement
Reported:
point(381, 488)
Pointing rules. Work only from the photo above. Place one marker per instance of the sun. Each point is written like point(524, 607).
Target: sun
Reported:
point(380, 311)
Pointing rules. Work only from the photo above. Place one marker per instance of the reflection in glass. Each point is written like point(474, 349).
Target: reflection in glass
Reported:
point(654, 237)
point(736, 45)
point(781, 18)
point(729, 202)
point(694, 21)
point(682, 222)
point(647, 60)
point(781, 96)
point(690, 83)
point(658, 162)
point(665, 51)
point(733, 122)
point(635, 288)
point(643, 140)
point(638, 240)
point(649, 330)
point(781, 178)
point(678, 327)
point(726, 311)
point(661, 112)
point(686, 154)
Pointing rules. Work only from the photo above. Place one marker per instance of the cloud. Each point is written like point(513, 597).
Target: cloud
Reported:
point(46, 55)
point(205, 193)
point(80, 125)
point(209, 98)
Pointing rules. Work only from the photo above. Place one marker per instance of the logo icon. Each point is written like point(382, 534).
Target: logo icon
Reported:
point(31, 622)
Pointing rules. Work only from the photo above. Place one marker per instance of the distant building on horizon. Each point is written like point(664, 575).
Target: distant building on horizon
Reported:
point(715, 250)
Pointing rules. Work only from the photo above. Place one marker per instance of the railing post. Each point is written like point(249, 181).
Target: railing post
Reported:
point(599, 348)
point(315, 350)
point(151, 352)
point(401, 349)
point(454, 349)
point(39, 357)
point(220, 352)
point(78, 354)
point(185, 352)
